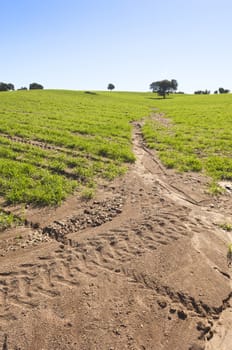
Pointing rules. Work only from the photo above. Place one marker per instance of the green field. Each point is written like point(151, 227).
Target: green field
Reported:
point(197, 135)
point(53, 142)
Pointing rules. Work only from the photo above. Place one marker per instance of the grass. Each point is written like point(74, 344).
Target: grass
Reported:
point(195, 134)
point(87, 194)
point(55, 142)
point(8, 220)
point(226, 227)
point(216, 189)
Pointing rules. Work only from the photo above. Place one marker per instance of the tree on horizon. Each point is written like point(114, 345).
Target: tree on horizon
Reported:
point(223, 91)
point(110, 86)
point(34, 86)
point(6, 86)
point(164, 87)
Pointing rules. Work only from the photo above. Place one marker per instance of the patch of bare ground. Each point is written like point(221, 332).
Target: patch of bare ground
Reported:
point(142, 266)
point(161, 119)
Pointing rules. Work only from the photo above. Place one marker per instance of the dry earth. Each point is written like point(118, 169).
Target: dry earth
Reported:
point(142, 266)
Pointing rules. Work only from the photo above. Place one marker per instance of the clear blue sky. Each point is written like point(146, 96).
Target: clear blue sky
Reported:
point(86, 44)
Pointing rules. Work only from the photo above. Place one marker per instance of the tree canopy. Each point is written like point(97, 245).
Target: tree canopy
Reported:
point(202, 92)
point(164, 87)
point(34, 86)
point(6, 86)
point(223, 91)
point(110, 86)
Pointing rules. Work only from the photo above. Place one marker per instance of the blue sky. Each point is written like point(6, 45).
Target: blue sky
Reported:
point(86, 44)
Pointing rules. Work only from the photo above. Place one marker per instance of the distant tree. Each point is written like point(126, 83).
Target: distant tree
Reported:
point(23, 88)
point(202, 92)
point(215, 92)
point(223, 91)
point(164, 87)
point(3, 86)
point(6, 86)
point(110, 87)
point(34, 86)
point(174, 85)
point(10, 86)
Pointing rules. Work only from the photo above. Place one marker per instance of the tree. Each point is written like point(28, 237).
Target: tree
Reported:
point(110, 87)
point(174, 84)
point(223, 91)
point(34, 86)
point(10, 87)
point(3, 86)
point(6, 87)
point(164, 87)
point(202, 92)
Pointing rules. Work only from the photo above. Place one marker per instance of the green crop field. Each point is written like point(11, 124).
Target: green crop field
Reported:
point(194, 134)
point(53, 142)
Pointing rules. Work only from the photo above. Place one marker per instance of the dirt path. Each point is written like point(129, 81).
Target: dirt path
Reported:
point(143, 266)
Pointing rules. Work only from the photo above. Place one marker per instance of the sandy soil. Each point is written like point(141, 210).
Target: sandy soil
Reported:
point(142, 266)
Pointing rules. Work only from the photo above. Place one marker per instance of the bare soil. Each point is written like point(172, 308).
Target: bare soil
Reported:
point(142, 266)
